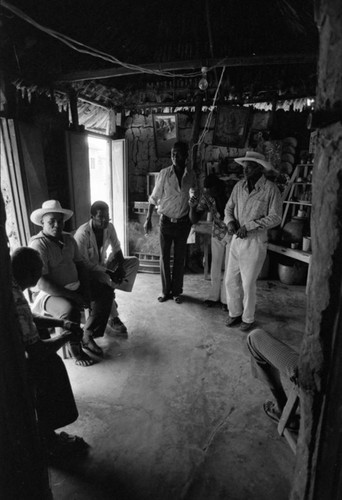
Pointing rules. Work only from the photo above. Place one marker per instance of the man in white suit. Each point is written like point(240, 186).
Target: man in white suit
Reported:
point(100, 248)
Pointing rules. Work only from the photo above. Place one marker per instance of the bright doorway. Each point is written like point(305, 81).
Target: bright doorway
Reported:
point(108, 180)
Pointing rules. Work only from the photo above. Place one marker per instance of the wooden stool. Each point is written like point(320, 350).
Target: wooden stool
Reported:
point(289, 410)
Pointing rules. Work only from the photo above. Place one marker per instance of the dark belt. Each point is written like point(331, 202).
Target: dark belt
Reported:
point(164, 218)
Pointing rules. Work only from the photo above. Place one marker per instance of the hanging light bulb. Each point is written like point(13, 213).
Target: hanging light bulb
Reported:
point(203, 83)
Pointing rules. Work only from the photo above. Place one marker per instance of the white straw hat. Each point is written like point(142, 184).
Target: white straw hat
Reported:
point(257, 157)
point(48, 207)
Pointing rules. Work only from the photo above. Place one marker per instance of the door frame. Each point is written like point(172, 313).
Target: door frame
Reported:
point(122, 234)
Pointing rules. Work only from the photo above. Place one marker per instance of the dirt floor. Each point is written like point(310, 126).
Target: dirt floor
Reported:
point(173, 412)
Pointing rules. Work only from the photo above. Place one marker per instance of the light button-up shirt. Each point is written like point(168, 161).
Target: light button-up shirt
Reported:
point(170, 199)
point(259, 210)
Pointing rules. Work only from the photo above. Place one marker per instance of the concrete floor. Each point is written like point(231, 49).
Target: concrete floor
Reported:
point(173, 412)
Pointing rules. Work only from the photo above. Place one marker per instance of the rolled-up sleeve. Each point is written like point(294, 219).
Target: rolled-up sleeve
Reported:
point(158, 188)
point(230, 208)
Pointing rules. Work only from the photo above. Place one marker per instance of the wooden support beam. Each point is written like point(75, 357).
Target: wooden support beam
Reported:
point(283, 59)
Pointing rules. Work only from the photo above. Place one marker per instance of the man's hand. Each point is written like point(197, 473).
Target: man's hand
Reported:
point(294, 376)
point(148, 226)
point(118, 275)
point(241, 232)
point(72, 326)
point(232, 227)
point(76, 332)
point(193, 201)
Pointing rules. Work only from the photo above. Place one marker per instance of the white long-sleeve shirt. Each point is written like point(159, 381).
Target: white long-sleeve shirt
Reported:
point(97, 261)
point(259, 210)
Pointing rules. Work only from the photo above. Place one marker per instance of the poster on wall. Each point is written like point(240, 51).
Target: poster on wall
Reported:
point(165, 128)
point(231, 126)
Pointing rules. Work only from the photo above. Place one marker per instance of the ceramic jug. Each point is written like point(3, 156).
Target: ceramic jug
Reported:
point(293, 230)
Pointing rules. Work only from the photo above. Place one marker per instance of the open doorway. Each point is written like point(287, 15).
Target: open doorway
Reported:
point(108, 180)
point(99, 170)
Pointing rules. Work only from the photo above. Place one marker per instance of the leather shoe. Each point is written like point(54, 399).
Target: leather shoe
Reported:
point(209, 303)
point(245, 327)
point(233, 321)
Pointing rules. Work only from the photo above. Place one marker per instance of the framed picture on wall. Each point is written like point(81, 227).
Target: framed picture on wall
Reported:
point(231, 126)
point(165, 128)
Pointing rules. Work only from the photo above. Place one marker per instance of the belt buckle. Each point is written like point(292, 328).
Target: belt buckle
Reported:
point(172, 219)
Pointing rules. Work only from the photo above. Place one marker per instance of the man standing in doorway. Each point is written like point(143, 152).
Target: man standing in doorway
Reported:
point(100, 248)
point(254, 207)
point(171, 195)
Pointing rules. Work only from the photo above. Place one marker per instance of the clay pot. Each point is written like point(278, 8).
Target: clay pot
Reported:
point(292, 272)
point(293, 230)
point(274, 234)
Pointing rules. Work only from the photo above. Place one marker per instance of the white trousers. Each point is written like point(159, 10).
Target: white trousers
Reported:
point(246, 258)
point(219, 260)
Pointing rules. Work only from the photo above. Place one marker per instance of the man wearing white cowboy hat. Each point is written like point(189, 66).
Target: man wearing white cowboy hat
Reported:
point(64, 287)
point(254, 207)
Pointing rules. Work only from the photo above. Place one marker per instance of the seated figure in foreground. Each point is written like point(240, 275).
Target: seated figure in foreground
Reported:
point(100, 248)
point(53, 397)
point(271, 358)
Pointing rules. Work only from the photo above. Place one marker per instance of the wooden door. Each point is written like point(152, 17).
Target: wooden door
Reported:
point(120, 191)
point(79, 179)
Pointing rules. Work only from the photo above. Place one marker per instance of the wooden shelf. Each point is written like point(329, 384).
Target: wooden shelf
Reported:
point(290, 252)
point(307, 203)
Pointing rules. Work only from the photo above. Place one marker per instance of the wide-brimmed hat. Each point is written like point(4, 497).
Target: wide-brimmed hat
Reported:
point(257, 157)
point(48, 207)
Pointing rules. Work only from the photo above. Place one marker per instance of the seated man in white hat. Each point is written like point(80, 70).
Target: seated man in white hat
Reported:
point(100, 248)
point(254, 206)
point(64, 288)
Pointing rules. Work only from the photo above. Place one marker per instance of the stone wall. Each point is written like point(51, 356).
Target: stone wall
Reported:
point(142, 156)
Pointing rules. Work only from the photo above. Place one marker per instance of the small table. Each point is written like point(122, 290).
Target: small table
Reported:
point(204, 228)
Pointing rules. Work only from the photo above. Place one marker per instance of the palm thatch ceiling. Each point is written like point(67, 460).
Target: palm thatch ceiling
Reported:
point(264, 44)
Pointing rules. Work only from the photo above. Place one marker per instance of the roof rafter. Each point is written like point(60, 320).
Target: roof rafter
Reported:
point(281, 59)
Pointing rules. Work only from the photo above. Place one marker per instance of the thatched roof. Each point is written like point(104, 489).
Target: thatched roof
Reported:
point(272, 44)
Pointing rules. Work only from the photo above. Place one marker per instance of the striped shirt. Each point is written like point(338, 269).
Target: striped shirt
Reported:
point(259, 210)
point(170, 199)
point(208, 203)
point(28, 328)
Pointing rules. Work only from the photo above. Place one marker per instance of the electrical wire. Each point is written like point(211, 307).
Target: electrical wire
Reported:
point(85, 49)
point(209, 117)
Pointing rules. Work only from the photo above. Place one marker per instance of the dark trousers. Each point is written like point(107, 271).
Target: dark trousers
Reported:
point(176, 233)
point(101, 304)
point(53, 396)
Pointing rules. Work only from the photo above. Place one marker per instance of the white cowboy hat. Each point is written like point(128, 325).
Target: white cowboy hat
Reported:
point(48, 207)
point(257, 157)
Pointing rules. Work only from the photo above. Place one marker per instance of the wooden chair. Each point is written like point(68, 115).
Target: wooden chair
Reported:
point(289, 410)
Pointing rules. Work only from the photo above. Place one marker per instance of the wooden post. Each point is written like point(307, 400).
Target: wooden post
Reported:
point(73, 109)
point(23, 472)
point(318, 472)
